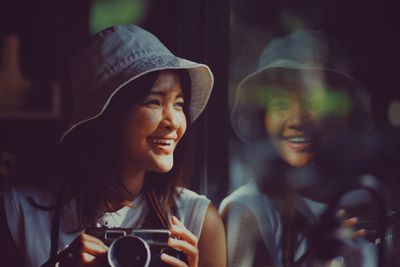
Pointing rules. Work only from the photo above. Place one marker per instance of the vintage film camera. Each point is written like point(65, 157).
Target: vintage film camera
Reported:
point(135, 247)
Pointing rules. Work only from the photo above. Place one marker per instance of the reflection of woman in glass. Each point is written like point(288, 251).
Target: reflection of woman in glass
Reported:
point(125, 156)
point(304, 104)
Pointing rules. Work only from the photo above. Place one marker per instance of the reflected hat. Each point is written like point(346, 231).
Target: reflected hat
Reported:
point(118, 55)
point(304, 56)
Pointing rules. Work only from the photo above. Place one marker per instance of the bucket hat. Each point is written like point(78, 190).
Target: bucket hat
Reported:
point(304, 56)
point(113, 57)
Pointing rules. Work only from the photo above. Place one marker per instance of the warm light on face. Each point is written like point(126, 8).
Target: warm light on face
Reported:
point(291, 129)
point(153, 128)
point(297, 119)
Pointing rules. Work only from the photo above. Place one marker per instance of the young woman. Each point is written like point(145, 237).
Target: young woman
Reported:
point(124, 158)
point(297, 106)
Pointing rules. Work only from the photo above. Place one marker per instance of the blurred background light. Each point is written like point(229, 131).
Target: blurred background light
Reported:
point(105, 13)
point(394, 113)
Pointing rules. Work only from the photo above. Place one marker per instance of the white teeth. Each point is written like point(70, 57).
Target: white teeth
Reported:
point(162, 142)
point(299, 140)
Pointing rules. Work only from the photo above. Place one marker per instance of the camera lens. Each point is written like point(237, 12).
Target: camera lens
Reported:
point(129, 251)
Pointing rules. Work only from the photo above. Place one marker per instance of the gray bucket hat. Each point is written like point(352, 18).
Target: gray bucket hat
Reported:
point(118, 55)
point(304, 56)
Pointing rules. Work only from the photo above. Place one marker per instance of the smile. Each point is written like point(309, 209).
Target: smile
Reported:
point(162, 145)
point(162, 142)
point(299, 140)
point(299, 143)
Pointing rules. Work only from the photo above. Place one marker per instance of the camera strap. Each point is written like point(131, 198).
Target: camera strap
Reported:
point(156, 217)
point(55, 232)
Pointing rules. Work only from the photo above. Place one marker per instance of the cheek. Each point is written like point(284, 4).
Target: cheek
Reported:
point(137, 127)
point(144, 123)
point(183, 126)
point(130, 136)
point(273, 125)
point(146, 119)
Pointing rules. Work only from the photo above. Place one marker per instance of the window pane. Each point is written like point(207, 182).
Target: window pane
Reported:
point(315, 113)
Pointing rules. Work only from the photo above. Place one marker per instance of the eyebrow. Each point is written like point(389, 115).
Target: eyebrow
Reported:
point(163, 94)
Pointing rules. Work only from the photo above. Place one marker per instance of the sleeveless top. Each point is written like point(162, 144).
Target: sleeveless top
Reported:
point(30, 227)
point(267, 227)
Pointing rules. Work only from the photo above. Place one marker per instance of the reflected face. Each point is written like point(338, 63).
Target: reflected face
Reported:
point(296, 120)
point(152, 128)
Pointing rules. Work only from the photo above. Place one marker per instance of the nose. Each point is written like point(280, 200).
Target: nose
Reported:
point(171, 118)
point(299, 116)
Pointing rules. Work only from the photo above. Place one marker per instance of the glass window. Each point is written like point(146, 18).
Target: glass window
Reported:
point(315, 115)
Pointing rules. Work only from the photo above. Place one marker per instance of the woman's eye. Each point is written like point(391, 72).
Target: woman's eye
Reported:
point(180, 104)
point(153, 102)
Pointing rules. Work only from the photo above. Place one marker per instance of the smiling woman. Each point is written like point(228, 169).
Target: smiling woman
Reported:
point(153, 128)
point(299, 118)
point(124, 160)
point(298, 103)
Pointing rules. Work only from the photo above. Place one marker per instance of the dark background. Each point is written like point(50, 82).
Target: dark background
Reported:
point(203, 30)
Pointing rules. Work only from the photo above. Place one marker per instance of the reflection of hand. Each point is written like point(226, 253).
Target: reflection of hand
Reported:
point(332, 233)
point(186, 242)
point(348, 225)
point(85, 250)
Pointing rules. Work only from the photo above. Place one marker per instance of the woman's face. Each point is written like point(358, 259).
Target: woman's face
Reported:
point(152, 128)
point(295, 123)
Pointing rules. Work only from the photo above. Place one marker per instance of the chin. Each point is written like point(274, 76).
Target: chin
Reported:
point(163, 166)
point(299, 161)
point(298, 164)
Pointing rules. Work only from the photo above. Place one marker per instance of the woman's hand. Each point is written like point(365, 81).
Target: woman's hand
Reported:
point(184, 241)
point(85, 250)
point(349, 225)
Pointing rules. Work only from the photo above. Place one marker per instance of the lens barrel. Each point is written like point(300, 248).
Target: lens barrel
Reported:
point(129, 251)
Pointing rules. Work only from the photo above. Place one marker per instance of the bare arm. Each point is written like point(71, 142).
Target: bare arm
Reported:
point(212, 243)
point(8, 251)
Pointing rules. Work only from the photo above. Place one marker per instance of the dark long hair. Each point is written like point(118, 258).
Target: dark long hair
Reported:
point(89, 155)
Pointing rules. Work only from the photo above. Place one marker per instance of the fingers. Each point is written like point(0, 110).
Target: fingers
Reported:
point(184, 246)
point(359, 234)
point(351, 224)
point(179, 231)
point(87, 258)
point(85, 250)
point(92, 245)
point(185, 241)
point(172, 261)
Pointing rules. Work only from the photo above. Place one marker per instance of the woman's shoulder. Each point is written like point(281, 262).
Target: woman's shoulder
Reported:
point(191, 209)
point(248, 196)
point(187, 199)
point(185, 194)
point(30, 193)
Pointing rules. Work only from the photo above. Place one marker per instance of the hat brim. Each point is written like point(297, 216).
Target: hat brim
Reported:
point(201, 77)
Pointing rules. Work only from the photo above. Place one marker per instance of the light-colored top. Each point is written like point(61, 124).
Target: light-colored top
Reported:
point(30, 227)
point(246, 211)
point(252, 219)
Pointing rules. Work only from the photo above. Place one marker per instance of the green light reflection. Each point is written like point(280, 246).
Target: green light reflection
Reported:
point(105, 13)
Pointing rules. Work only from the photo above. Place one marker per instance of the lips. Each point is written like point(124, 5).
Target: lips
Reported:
point(299, 140)
point(161, 142)
point(162, 145)
point(299, 143)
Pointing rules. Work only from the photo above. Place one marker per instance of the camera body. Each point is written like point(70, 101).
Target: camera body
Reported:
point(135, 247)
